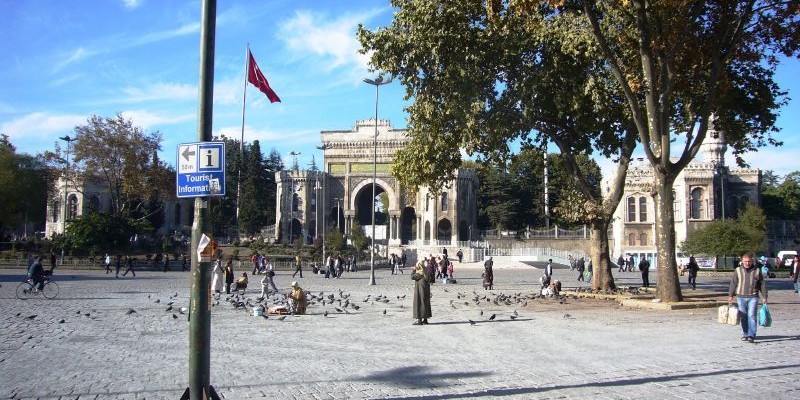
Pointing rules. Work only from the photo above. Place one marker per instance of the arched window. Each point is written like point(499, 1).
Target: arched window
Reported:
point(696, 204)
point(444, 201)
point(56, 211)
point(295, 202)
point(676, 207)
point(642, 209)
point(642, 239)
point(632, 239)
point(631, 209)
point(72, 208)
point(427, 203)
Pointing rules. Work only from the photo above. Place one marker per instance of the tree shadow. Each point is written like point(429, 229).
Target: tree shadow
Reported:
point(418, 376)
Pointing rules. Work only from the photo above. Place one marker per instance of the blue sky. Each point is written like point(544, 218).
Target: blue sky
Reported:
point(64, 61)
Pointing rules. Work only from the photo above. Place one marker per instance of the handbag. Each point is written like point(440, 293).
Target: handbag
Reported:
point(728, 314)
point(764, 316)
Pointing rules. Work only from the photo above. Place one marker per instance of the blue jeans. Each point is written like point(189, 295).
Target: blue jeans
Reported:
point(797, 287)
point(747, 312)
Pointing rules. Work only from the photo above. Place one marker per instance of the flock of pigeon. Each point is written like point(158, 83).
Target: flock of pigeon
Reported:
point(503, 306)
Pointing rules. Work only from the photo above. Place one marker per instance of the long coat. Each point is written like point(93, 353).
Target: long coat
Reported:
point(422, 298)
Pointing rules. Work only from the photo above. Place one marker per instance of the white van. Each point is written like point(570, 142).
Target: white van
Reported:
point(785, 258)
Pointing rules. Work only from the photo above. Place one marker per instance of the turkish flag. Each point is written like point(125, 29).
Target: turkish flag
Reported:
point(258, 80)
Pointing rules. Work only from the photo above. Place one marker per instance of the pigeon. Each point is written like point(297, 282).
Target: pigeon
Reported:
point(481, 312)
point(174, 316)
point(282, 318)
point(130, 311)
point(157, 301)
point(31, 316)
point(384, 311)
point(471, 322)
point(325, 314)
point(183, 310)
point(87, 314)
point(62, 321)
point(491, 318)
point(169, 308)
point(513, 317)
point(19, 313)
point(515, 313)
point(567, 316)
point(338, 309)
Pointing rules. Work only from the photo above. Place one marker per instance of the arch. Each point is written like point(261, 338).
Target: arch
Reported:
point(444, 230)
point(632, 239)
point(72, 207)
point(363, 205)
point(94, 204)
point(696, 203)
point(642, 239)
point(408, 225)
point(391, 194)
point(427, 230)
point(444, 201)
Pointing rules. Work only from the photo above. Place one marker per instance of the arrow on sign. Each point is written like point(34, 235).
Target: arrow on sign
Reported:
point(186, 153)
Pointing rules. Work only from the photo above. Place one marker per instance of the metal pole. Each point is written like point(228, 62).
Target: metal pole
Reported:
point(377, 82)
point(199, 315)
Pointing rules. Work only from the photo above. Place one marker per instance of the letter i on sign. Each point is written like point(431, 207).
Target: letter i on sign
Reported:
point(209, 159)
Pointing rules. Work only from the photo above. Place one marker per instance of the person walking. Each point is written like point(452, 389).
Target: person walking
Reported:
point(621, 264)
point(129, 266)
point(795, 277)
point(460, 255)
point(217, 277)
point(748, 284)
point(692, 268)
point(488, 274)
point(107, 261)
point(548, 273)
point(631, 264)
point(580, 265)
point(184, 263)
point(228, 275)
point(422, 294)
point(644, 266)
point(297, 266)
point(267, 281)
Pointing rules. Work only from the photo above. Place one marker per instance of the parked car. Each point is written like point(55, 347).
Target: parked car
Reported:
point(785, 258)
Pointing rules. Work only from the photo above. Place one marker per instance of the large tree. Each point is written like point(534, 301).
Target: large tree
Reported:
point(685, 66)
point(484, 77)
point(23, 179)
point(782, 200)
point(123, 157)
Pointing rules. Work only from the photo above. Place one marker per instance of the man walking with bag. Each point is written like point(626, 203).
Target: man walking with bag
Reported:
point(747, 284)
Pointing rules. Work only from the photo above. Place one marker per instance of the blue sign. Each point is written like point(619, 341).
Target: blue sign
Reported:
point(201, 169)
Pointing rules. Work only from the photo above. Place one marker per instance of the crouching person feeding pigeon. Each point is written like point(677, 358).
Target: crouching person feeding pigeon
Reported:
point(297, 300)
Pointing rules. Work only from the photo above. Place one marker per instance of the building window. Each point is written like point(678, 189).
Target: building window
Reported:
point(72, 208)
point(632, 239)
point(696, 203)
point(642, 209)
point(427, 202)
point(631, 209)
point(676, 207)
point(642, 239)
point(444, 201)
point(55, 216)
point(295, 202)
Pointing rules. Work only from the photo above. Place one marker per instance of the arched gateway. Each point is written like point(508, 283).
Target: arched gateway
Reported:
point(345, 190)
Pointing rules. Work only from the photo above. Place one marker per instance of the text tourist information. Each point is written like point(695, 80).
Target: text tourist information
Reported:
point(201, 169)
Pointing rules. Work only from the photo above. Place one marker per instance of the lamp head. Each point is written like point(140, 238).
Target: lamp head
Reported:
point(66, 138)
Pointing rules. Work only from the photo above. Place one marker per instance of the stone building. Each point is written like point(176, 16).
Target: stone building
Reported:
point(345, 190)
point(704, 191)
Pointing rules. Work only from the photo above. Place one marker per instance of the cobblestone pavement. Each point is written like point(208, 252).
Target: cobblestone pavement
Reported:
point(85, 344)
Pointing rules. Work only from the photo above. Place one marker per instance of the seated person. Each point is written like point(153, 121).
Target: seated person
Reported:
point(241, 282)
point(297, 300)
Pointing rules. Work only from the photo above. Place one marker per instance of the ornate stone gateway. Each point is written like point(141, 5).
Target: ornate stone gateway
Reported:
point(344, 189)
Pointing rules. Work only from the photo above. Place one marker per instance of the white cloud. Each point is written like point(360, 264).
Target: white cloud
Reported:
point(131, 4)
point(147, 119)
point(40, 125)
point(160, 91)
point(77, 55)
point(334, 41)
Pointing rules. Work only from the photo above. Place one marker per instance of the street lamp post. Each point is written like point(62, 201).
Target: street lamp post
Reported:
point(324, 203)
point(69, 141)
point(377, 82)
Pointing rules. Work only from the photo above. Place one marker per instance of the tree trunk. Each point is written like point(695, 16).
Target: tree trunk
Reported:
point(668, 287)
point(599, 253)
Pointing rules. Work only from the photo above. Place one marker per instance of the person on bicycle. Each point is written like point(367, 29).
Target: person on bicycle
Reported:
point(36, 273)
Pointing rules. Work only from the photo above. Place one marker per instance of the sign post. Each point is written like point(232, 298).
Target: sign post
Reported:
point(201, 169)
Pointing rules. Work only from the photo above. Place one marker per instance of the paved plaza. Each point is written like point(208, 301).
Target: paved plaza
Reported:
point(86, 344)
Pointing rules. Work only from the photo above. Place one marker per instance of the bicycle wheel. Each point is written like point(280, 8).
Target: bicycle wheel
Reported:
point(24, 290)
point(50, 290)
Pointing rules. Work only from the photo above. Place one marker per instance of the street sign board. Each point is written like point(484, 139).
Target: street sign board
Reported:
point(201, 169)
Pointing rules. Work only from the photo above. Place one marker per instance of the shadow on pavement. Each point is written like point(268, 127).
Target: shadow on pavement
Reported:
point(418, 376)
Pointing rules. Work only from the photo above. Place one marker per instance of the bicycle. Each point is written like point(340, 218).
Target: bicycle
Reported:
point(27, 289)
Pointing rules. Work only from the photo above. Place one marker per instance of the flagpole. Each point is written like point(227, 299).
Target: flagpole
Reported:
point(241, 142)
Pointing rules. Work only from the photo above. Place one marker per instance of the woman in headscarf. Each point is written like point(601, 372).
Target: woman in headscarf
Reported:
point(422, 294)
point(488, 274)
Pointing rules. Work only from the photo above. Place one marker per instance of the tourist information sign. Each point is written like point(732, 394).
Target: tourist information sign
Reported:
point(201, 169)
